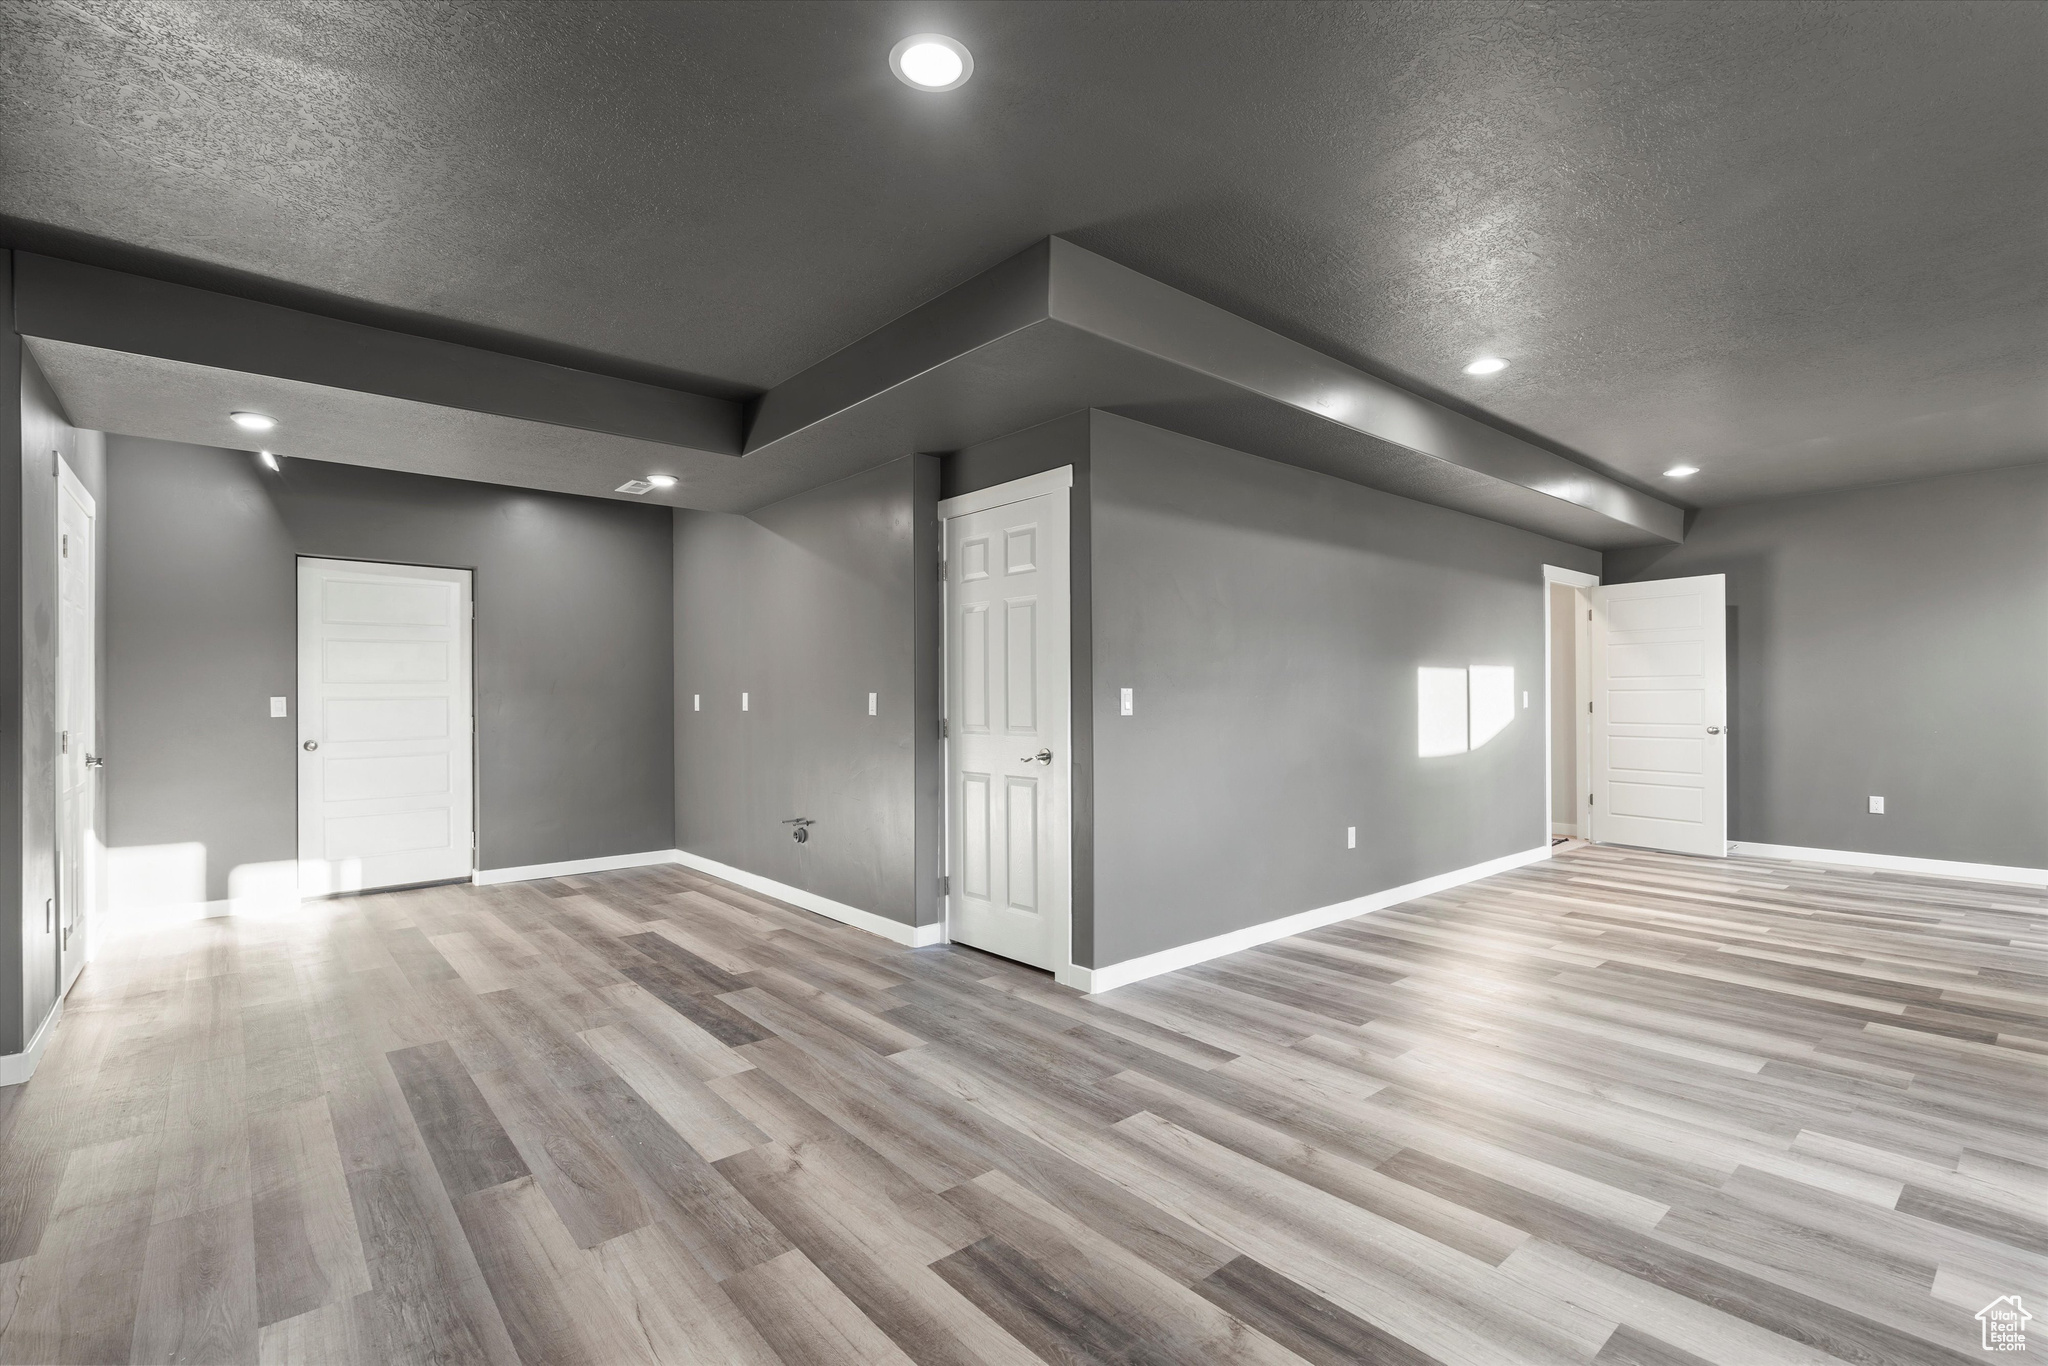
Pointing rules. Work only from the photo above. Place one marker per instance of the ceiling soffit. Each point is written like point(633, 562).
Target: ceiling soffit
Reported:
point(1050, 331)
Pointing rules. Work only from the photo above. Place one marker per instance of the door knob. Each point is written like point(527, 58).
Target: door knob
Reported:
point(1044, 756)
point(1713, 730)
point(95, 761)
point(312, 744)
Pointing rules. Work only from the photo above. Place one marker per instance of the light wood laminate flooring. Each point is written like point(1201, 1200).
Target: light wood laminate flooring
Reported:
point(1613, 1108)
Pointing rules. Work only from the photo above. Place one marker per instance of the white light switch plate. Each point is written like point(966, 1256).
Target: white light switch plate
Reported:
point(743, 701)
point(696, 701)
point(1127, 701)
point(1350, 837)
point(277, 706)
point(871, 704)
point(1877, 806)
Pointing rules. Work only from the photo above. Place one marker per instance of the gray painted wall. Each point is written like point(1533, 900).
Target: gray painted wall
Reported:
point(201, 604)
point(1271, 621)
point(1889, 641)
point(1564, 707)
point(807, 606)
point(573, 672)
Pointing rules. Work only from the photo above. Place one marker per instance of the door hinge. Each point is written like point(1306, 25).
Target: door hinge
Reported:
point(64, 742)
point(945, 885)
point(942, 569)
point(1589, 709)
point(1589, 799)
point(64, 546)
point(55, 461)
point(945, 729)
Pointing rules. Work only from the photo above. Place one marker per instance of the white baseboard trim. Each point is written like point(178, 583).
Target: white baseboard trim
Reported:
point(1201, 951)
point(1895, 863)
point(16, 1068)
point(910, 936)
point(487, 877)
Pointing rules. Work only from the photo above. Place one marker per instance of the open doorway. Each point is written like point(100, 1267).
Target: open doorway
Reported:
point(1567, 616)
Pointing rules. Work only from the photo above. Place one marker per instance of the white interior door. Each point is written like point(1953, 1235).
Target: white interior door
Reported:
point(1009, 768)
point(385, 726)
point(1660, 715)
point(78, 735)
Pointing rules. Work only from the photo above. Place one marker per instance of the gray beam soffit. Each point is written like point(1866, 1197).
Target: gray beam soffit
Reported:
point(173, 400)
point(1052, 330)
point(111, 310)
point(1057, 328)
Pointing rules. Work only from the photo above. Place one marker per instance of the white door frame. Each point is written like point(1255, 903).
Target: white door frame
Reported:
point(82, 740)
point(314, 877)
point(1055, 481)
point(1571, 578)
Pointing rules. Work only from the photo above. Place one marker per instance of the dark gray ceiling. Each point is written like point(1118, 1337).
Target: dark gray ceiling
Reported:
point(1798, 245)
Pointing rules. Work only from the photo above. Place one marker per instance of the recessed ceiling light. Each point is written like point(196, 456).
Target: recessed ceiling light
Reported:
point(252, 422)
point(1681, 471)
point(1486, 365)
point(662, 481)
point(268, 458)
point(931, 61)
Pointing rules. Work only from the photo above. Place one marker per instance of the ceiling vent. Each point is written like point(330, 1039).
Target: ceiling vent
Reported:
point(636, 487)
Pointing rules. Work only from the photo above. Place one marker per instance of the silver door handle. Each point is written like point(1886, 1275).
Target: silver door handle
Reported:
point(1044, 756)
point(312, 744)
point(1713, 730)
point(95, 761)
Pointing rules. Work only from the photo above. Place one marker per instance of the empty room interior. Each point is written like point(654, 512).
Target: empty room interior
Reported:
point(961, 683)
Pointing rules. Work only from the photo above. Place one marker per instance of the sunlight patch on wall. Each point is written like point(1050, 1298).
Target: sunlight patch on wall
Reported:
point(1493, 701)
point(1440, 712)
point(1457, 710)
point(144, 876)
point(164, 884)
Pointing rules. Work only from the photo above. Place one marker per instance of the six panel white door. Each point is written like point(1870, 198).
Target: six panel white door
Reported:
point(1008, 766)
point(1660, 715)
point(385, 730)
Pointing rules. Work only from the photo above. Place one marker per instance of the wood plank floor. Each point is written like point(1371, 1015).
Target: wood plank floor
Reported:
point(1615, 1108)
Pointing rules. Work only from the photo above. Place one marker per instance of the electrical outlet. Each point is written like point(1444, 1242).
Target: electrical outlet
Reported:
point(1877, 806)
point(277, 706)
point(1126, 701)
point(1350, 837)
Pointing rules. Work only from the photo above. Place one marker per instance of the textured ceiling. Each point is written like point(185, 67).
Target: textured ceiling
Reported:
point(1798, 245)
